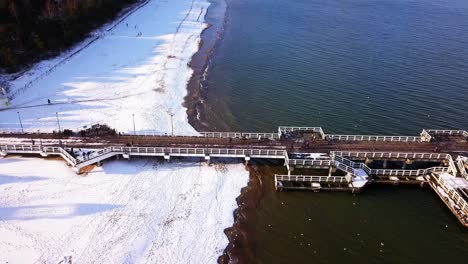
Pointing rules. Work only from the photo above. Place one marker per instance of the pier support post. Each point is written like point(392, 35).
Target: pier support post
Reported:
point(330, 170)
point(385, 164)
point(167, 157)
point(207, 159)
point(247, 158)
point(404, 166)
point(99, 164)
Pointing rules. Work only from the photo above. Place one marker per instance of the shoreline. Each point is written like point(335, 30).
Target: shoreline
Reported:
point(240, 246)
point(200, 63)
point(240, 236)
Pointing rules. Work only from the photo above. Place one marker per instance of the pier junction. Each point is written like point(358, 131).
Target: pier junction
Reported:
point(313, 160)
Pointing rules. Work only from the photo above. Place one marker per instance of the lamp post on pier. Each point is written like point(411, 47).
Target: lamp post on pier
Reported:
point(171, 114)
point(58, 122)
point(21, 123)
point(134, 130)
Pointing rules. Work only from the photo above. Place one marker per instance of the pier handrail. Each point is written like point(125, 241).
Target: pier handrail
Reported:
point(411, 173)
point(286, 129)
point(375, 138)
point(425, 136)
point(240, 135)
point(392, 155)
point(345, 164)
point(453, 194)
point(447, 132)
point(199, 151)
point(312, 178)
point(20, 148)
point(308, 162)
point(461, 161)
point(25, 131)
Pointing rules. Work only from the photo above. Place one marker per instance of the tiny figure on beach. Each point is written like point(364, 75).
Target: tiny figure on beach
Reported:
point(127, 24)
point(48, 101)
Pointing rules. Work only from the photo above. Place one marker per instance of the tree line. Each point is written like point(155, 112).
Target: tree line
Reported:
point(31, 30)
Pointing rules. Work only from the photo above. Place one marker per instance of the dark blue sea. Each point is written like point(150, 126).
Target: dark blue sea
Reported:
point(350, 66)
point(354, 67)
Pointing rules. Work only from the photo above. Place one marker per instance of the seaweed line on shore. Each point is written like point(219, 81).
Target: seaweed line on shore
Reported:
point(200, 63)
point(240, 247)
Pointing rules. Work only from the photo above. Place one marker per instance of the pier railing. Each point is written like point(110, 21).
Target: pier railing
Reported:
point(374, 138)
point(240, 135)
point(447, 132)
point(453, 194)
point(462, 163)
point(309, 178)
point(392, 155)
point(20, 131)
point(425, 136)
point(202, 151)
point(312, 163)
point(349, 166)
point(37, 149)
point(287, 129)
point(409, 173)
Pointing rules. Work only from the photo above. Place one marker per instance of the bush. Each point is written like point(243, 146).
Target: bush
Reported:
point(67, 132)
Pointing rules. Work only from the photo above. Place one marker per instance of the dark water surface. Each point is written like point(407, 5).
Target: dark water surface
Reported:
point(354, 66)
point(350, 66)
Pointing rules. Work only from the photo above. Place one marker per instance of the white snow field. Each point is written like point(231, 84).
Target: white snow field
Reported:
point(147, 212)
point(138, 66)
point(140, 211)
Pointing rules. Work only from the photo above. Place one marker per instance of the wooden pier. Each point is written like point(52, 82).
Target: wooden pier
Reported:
point(351, 162)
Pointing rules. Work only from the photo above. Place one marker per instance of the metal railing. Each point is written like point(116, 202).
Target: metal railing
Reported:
point(374, 138)
point(392, 155)
point(240, 135)
point(37, 149)
point(447, 132)
point(407, 173)
point(310, 178)
point(268, 153)
point(462, 163)
point(349, 166)
point(286, 129)
point(453, 194)
point(425, 136)
point(21, 148)
point(307, 162)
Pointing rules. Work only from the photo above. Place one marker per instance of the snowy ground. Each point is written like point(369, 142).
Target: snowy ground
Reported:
point(147, 212)
point(138, 66)
point(125, 212)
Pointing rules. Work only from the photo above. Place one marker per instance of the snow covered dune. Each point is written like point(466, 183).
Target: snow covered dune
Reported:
point(137, 212)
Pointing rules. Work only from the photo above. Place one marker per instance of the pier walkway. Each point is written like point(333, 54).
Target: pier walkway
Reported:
point(349, 162)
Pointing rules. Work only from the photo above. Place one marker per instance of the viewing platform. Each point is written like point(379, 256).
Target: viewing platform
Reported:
point(336, 162)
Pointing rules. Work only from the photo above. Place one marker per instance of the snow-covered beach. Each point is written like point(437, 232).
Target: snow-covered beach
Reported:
point(138, 211)
point(142, 212)
point(137, 68)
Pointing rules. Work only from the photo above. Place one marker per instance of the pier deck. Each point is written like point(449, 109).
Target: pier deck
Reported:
point(298, 147)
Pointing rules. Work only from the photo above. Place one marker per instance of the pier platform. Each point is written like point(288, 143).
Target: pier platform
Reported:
point(352, 161)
